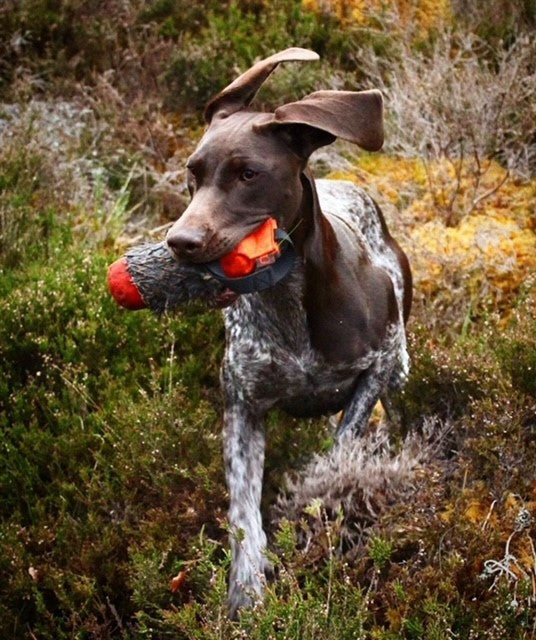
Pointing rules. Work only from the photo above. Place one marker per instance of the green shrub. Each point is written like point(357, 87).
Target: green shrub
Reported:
point(111, 474)
point(233, 40)
point(106, 460)
point(101, 445)
point(499, 21)
point(516, 347)
point(25, 208)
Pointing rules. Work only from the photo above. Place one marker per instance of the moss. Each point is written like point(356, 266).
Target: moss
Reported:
point(461, 269)
point(421, 17)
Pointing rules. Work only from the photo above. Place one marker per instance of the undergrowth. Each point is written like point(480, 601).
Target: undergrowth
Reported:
point(112, 496)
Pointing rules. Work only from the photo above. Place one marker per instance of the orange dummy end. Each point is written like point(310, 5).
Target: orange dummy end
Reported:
point(258, 249)
point(122, 287)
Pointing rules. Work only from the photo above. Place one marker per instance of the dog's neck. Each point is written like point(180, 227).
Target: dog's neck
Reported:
point(307, 218)
point(283, 309)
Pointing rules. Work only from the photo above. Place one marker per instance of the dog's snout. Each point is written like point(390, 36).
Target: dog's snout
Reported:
point(186, 242)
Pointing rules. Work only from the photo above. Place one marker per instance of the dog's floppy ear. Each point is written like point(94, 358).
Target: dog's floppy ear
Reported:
point(241, 91)
point(322, 116)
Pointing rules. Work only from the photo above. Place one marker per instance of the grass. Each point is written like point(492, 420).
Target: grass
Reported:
point(111, 471)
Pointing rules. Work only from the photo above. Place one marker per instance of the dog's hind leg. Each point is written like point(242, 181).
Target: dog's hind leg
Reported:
point(400, 372)
point(244, 444)
point(388, 372)
point(370, 386)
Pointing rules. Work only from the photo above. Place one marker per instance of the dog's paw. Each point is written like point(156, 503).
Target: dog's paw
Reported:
point(243, 596)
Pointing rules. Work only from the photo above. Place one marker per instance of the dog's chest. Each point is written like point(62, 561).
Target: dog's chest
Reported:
point(269, 359)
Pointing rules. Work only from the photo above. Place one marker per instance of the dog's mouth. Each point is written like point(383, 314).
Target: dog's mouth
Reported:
point(251, 246)
point(259, 262)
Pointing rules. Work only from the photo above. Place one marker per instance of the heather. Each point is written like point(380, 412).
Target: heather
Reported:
point(111, 469)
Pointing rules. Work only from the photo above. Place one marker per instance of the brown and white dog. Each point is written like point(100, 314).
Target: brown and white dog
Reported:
point(330, 336)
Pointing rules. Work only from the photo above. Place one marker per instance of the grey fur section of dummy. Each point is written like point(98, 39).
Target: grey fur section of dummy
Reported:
point(166, 284)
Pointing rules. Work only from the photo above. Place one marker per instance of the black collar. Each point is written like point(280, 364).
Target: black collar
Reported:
point(262, 278)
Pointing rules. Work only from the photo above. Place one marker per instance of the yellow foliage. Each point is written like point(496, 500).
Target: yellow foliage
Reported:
point(422, 15)
point(500, 517)
point(397, 179)
point(491, 249)
point(395, 619)
point(476, 511)
point(496, 247)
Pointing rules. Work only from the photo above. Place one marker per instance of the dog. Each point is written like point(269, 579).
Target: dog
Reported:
point(330, 336)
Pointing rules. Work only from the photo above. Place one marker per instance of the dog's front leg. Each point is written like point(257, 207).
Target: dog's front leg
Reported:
point(244, 444)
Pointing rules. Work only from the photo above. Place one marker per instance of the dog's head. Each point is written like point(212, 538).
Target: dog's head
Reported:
point(249, 165)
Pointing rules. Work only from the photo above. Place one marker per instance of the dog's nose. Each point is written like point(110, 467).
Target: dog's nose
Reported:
point(185, 242)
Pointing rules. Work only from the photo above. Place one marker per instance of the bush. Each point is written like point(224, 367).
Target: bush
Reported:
point(204, 63)
point(499, 21)
point(93, 448)
point(110, 463)
point(91, 439)
point(458, 101)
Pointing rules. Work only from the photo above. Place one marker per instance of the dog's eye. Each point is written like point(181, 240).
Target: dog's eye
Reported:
point(248, 174)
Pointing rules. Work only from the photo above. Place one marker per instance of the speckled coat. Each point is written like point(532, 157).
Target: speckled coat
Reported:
point(328, 337)
point(269, 362)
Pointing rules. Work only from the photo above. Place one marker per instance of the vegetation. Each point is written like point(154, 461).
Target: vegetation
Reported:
point(112, 518)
